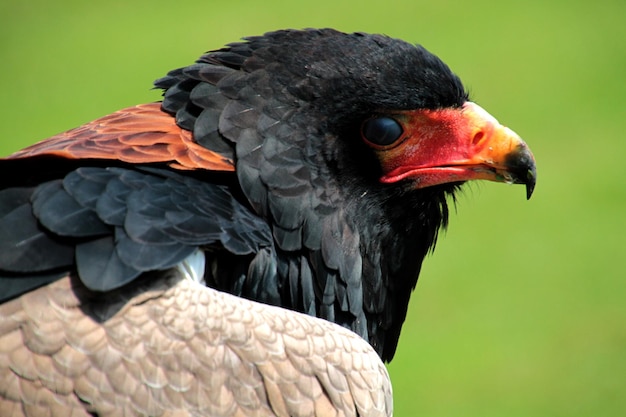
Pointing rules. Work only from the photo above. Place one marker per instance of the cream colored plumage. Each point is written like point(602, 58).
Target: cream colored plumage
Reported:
point(170, 346)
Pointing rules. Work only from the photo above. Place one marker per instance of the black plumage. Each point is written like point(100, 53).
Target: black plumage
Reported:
point(302, 222)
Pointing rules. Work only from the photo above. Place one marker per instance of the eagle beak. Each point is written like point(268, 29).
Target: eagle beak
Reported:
point(456, 145)
point(520, 165)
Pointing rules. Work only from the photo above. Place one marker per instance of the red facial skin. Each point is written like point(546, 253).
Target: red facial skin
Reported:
point(450, 145)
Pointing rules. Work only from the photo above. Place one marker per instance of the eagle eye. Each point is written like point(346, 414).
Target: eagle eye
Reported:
point(381, 130)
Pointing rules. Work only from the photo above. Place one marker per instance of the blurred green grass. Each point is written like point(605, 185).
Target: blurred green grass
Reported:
point(522, 309)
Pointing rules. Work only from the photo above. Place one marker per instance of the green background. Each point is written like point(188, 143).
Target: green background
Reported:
point(521, 311)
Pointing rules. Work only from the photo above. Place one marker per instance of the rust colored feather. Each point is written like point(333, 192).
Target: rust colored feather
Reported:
point(140, 134)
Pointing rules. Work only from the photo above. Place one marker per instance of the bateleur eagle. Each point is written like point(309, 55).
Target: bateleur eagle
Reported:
point(307, 170)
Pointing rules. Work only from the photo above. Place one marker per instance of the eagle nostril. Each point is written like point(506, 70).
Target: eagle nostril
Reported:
point(478, 137)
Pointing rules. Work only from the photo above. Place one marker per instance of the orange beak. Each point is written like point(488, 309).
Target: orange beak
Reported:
point(455, 145)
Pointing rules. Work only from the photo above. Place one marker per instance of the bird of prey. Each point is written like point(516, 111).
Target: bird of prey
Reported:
point(248, 245)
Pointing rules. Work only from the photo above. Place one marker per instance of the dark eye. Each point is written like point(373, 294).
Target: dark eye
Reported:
point(381, 131)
